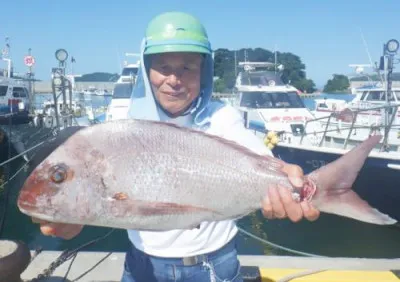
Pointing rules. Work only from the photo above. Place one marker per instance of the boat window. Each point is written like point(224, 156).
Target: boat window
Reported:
point(123, 91)
point(378, 96)
point(365, 93)
point(295, 100)
point(260, 78)
point(265, 100)
point(129, 71)
point(19, 92)
point(3, 90)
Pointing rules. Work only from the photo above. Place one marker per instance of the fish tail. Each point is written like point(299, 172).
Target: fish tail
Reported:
point(334, 186)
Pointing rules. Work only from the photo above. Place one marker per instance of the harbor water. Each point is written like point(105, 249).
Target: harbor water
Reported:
point(328, 236)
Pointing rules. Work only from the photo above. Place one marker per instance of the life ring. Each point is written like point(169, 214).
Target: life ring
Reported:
point(14, 259)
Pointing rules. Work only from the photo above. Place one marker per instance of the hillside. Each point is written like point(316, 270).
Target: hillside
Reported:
point(98, 77)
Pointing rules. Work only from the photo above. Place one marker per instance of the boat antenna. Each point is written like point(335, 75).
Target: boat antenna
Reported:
point(275, 57)
point(119, 59)
point(366, 47)
point(369, 56)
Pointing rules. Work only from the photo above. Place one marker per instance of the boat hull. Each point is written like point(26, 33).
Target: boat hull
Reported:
point(378, 181)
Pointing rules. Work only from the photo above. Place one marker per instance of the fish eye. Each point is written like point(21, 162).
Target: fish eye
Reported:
point(58, 173)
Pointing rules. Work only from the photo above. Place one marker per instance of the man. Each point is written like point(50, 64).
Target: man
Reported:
point(174, 84)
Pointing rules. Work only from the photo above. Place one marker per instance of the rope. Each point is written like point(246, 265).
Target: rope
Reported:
point(7, 187)
point(21, 154)
point(15, 174)
point(93, 267)
point(67, 255)
point(266, 242)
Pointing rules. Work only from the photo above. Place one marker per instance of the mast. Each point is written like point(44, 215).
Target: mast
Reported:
point(389, 51)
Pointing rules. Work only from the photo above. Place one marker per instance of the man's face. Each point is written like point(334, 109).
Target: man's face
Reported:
point(175, 79)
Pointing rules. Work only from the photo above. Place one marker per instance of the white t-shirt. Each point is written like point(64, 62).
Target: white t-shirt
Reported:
point(210, 236)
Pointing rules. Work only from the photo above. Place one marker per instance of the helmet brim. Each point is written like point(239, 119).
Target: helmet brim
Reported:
point(169, 48)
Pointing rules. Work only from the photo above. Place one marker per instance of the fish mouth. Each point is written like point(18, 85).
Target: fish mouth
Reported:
point(37, 214)
point(26, 201)
point(36, 186)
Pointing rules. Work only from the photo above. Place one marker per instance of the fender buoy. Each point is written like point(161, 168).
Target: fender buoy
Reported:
point(14, 259)
point(271, 139)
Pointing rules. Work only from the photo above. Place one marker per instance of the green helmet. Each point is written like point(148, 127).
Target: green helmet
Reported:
point(176, 32)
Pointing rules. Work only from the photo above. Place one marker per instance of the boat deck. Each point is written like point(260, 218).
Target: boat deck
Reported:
point(254, 268)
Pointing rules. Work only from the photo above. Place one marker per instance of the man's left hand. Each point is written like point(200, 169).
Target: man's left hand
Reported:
point(279, 203)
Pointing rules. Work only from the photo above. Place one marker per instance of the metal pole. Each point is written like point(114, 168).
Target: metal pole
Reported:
point(53, 87)
point(235, 65)
point(388, 110)
point(63, 87)
point(30, 85)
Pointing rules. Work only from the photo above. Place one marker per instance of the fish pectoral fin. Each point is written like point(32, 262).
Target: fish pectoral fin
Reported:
point(349, 204)
point(162, 208)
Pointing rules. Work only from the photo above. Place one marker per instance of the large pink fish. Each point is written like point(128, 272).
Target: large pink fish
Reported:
point(147, 175)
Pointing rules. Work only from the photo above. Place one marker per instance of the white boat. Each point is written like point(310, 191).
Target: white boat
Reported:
point(16, 107)
point(129, 70)
point(119, 105)
point(296, 137)
point(15, 101)
point(367, 97)
point(265, 100)
point(91, 90)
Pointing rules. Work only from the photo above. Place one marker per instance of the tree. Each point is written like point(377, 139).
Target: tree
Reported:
point(305, 85)
point(219, 85)
point(339, 83)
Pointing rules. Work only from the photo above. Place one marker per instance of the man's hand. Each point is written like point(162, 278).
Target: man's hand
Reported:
point(280, 204)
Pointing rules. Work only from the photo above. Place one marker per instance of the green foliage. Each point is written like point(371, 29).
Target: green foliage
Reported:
point(219, 86)
point(339, 83)
point(293, 73)
point(306, 85)
point(98, 77)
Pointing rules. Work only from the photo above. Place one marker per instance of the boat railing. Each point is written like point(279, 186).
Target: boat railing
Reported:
point(391, 109)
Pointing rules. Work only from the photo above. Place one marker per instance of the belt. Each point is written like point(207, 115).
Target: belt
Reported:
point(191, 260)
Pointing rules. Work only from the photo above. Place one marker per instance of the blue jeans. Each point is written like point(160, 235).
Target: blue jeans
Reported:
point(218, 266)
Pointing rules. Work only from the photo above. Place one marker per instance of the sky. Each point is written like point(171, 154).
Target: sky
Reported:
point(326, 35)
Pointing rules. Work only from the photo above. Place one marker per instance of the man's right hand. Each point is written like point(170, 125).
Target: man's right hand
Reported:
point(62, 230)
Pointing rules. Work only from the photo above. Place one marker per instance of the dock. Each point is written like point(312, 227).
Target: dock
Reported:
point(108, 266)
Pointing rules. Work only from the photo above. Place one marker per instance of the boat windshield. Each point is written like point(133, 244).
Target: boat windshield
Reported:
point(260, 78)
point(379, 96)
point(123, 91)
point(270, 100)
point(3, 90)
point(129, 71)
